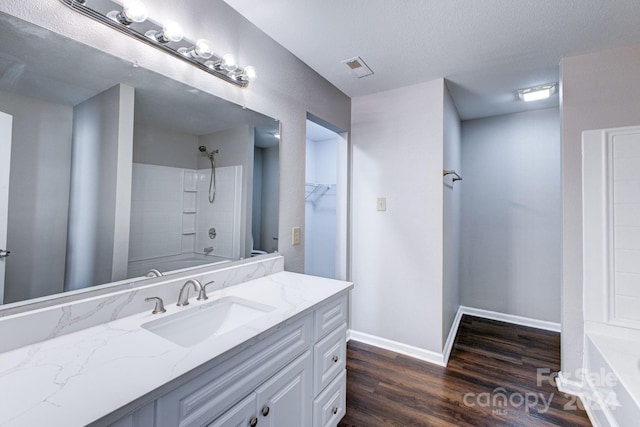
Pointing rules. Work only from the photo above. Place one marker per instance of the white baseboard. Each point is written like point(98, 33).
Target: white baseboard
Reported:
point(599, 418)
point(448, 345)
point(511, 318)
point(398, 347)
point(441, 359)
point(567, 386)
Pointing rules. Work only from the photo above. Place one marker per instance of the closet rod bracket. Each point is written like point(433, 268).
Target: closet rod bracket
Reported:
point(456, 177)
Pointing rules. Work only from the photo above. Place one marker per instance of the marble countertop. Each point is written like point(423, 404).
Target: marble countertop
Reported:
point(76, 379)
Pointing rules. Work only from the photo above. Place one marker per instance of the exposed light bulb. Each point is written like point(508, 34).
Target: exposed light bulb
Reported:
point(202, 49)
point(229, 62)
point(172, 32)
point(249, 74)
point(133, 11)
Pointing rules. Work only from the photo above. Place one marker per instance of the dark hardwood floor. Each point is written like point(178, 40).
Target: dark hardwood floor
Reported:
point(491, 380)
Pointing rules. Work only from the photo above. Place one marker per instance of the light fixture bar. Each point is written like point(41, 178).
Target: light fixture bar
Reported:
point(537, 93)
point(145, 31)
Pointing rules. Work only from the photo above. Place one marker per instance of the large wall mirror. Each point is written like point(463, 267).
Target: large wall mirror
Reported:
point(116, 170)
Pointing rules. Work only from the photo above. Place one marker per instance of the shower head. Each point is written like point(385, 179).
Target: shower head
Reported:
point(203, 149)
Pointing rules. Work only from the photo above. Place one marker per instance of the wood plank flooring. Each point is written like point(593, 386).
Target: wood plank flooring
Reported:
point(491, 380)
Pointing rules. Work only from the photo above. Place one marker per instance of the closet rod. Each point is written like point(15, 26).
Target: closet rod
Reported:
point(456, 177)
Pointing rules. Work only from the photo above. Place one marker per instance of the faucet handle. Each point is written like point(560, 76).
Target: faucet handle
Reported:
point(203, 291)
point(159, 308)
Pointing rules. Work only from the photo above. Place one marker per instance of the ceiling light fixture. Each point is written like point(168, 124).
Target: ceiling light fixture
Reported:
point(538, 92)
point(130, 17)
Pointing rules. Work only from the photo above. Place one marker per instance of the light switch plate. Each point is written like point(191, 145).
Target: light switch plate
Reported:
point(382, 203)
point(295, 236)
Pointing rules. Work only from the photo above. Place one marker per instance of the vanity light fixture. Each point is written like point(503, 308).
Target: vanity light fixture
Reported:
point(132, 11)
point(229, 62)
point(249, 74)
point(130, 17)
point(537, 93)
point(171, 32)
point(201, 49)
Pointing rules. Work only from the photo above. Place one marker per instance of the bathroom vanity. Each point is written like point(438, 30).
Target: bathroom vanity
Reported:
point(271, 352)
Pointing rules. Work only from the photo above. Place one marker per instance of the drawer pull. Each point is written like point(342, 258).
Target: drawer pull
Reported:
point(335, 359)
point(253, 422)
point(265, 411)
point(335, 410)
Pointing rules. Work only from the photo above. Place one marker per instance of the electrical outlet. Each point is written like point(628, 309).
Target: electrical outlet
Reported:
point(295, 236)
point(382, 203)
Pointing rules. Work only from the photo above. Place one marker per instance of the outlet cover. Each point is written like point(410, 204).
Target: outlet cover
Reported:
point(382, 203)
point(295, 236)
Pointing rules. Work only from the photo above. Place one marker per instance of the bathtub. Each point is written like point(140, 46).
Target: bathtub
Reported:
point(172, 263)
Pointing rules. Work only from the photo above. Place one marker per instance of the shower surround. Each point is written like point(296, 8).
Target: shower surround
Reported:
point(171, 216)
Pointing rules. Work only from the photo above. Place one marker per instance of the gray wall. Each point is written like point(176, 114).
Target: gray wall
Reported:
point(452, 159)
point(287, 88)
point(511, 214)
point(38, 196)
point(100, 201)
point(153, 145)
point(397, 264)
point(236, 148)
point(599, 90)
point(256, 207)
point(270, 198)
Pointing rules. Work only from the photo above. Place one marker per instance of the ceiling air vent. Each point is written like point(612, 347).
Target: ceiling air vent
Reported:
point(358, 67)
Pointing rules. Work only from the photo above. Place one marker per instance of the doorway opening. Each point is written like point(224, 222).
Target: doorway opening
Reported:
point(326, 186)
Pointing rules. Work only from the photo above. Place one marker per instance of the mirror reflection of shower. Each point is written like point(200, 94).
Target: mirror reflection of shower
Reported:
point(212, 180)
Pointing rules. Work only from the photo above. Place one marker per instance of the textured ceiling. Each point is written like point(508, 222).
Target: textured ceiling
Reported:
point(486, 49)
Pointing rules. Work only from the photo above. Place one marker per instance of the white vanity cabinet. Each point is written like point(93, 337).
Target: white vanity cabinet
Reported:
point(284, 400)
point(330, 362)
point(294, 377)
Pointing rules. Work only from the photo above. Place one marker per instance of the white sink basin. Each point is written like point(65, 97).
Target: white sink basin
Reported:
point(203, 321)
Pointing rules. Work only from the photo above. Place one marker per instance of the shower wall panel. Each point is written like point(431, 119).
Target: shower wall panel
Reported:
point(223, 214)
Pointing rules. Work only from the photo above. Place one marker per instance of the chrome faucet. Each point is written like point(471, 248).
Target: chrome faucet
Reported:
point(208, 250)
point(183, 297)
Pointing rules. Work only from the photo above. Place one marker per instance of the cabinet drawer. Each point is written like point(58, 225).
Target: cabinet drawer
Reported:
point(329, 316)
point(330, 406)
point(329, 358)
point(205, 398)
